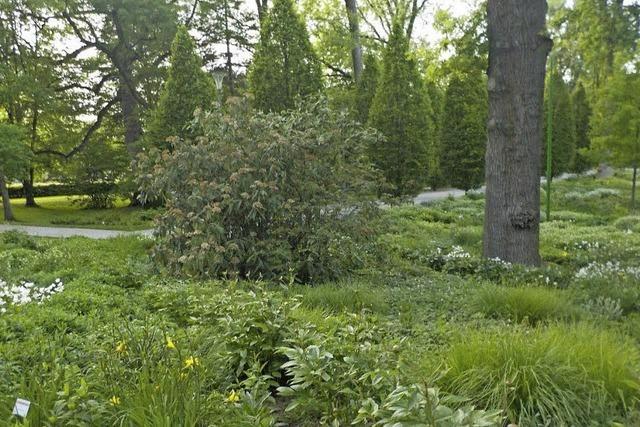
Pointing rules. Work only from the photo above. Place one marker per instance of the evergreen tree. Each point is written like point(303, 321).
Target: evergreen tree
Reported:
point(436, 98)
point(564, 130)
point(582, 114)
point(284, 66)
point(400, 111)
point(463, 135)
point(187, 88)
point(366, 88)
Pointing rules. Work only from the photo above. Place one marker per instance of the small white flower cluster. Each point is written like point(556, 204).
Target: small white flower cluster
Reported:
point(26, 292)
point(498, 261)
point(597, 270)
point(585, 246)
point(456, 252)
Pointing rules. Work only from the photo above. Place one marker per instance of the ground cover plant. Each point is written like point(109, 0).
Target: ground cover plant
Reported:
point(427, 333)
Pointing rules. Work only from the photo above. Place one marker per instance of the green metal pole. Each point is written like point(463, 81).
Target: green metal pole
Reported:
point(549, 138)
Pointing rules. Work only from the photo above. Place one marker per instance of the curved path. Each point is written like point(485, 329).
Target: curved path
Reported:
point(42, 231)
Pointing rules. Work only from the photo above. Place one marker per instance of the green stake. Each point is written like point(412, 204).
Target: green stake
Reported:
point(549, 140)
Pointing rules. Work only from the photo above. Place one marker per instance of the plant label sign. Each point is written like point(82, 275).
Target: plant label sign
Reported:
point(21, 408)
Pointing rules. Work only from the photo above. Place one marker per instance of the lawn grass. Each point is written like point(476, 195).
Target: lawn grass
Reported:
point(61, 211)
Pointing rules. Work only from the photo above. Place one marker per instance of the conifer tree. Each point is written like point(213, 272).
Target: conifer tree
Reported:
point(366, 88)
point(582, 114)
point(400, 111)
point(284, 66)
point(187, 88)
point(564, 130)
point(436, 99)
point(463, 135)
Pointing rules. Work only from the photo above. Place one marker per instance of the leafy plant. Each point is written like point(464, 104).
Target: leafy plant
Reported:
point(266, 195)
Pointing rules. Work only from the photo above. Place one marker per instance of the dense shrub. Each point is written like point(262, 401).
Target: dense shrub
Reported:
point(569, 376)
point(265, 194)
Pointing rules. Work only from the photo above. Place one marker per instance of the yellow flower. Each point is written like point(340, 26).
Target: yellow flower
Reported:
point(121, 347)
point(233, 397)
point(115, 400)
point(191, 361)
point(170, 344)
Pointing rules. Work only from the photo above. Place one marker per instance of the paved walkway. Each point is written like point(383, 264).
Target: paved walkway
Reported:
point(422, 198)
point(71, 232)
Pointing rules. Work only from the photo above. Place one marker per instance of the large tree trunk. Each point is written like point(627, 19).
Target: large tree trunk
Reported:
point(6, 202)
point(354, 29)
point(131, 119)
point(518, 49)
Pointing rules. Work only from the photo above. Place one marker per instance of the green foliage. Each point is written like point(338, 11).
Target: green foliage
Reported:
point(14, 152)
point(266, 194)
point(400, 111)
point(366, 88)
point(97, 171)
point(563, 138)
point(528, 304)
point(463, 134)
point(284, 66)
point(186, 89)
point(571, 375)
point(616, 120)
point(582, 114)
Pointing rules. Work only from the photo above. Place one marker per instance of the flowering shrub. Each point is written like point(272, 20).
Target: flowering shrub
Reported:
point(265, 195)
point(26, 292)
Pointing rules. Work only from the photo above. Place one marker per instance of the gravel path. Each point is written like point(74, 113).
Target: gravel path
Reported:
point(71, 232)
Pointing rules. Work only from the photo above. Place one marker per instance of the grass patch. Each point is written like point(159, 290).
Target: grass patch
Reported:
point(562, 375)
point(526, 304)
point(345, 296)
point(63, 212)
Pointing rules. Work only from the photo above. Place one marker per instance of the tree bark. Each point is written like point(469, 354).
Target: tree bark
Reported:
point(262, 6)
point(131, 118)
point(634, 186)
point(354, 29)
point(27, 186)
point(518, 50)
point(6, 202)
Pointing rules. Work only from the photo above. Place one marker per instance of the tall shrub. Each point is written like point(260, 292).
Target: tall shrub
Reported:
point(187, 88)
point(400, 111)
point(266, 194)
point(284, 66)
point(463, 135)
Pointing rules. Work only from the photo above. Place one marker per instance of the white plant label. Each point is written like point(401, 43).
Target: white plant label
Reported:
point(21, 407)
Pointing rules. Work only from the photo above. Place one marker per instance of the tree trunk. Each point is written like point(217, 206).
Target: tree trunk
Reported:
point(228, 53)
point(354, 29)
point(131, 119)
point(518, 49)
point(27, 186)
point(6, 202)
point(634, 186)
point(262, 9)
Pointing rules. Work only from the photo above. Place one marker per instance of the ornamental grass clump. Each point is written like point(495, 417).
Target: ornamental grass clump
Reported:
point(561, 375)
point(271, 195)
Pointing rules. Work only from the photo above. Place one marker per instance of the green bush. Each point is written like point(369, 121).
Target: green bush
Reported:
point(524, 304)
point(266, 195)
point(563, 375)
point(631, 223)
